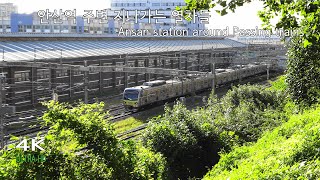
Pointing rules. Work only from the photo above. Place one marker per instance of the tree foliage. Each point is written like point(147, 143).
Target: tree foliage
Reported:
point(292, 14)
point(245, 112)
point(290, 151)
point(303, 73)
point(82, 145)
point(187, 141)
point(300, 16)
point(192, 139)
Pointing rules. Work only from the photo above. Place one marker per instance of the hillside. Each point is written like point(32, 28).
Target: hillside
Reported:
point(290, 151)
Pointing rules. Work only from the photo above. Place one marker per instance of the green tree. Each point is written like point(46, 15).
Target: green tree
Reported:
point(303, 16)
point(245, 112)
point(303, 73)
point(82, 145)
point(186, 138)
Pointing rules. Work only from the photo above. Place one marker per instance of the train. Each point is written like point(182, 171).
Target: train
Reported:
point(135, 98)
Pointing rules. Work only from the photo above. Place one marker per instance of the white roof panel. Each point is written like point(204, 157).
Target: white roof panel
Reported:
point(28, 50)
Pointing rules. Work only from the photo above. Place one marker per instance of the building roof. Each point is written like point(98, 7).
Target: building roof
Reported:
point(46, 49)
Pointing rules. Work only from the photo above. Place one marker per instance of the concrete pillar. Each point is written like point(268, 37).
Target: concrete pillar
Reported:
point(171, 64)
point(52, 79)
point(71, 91)
point(180, 59)
point(114, 78)
point(155, 62)
point(100, 78)
point(146, 64)
point(164, 65)
point(240, 75)
point(125, 79)
point(213, 82)
point(86, 82)
point(33, 78)
point(11, 82)
point(186, 62)
point(136, 76)
point(268, 74)
point(198, 61)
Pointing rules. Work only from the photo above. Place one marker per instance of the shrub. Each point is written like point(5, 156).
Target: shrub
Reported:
point(186, 139)
point(245, 112)
point(290, 151)
point(303, 72)
point(191, 139)
point(279, 84)
point(104, 157)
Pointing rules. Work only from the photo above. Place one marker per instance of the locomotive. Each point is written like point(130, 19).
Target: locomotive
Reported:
point(161, 90)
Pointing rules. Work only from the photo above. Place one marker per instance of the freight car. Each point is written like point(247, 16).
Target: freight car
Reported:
point(161, 90)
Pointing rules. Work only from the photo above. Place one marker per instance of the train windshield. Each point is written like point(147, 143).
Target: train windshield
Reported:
point(131, 95)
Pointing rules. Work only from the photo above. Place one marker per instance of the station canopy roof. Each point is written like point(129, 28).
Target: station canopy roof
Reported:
point(36, 50)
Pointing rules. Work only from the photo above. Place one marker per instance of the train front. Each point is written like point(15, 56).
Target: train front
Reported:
point(131, 98)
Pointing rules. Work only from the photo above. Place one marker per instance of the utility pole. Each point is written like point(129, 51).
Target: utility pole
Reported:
point(3, 110)
point(85, 84)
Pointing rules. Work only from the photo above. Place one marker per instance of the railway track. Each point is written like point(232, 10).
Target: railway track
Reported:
point(117, 112)
point(27, 122)
point(133, 133)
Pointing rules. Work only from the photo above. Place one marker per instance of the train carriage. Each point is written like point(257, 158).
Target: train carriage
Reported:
point(161, 90)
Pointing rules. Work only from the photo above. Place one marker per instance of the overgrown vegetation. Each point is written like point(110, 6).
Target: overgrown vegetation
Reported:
point(291, 151)
point(303, 74)
point(127, 124)
point(104, 156)
point(251, 133)
point(249, 125)
point(191, 140)
point(299, 20)
point(187, 141)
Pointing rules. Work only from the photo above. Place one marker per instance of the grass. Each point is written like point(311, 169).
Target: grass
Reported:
point(127, 124)
point(279, 84)
point(290, 151)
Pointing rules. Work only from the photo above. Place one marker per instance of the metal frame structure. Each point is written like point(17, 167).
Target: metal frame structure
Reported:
point(29, 82)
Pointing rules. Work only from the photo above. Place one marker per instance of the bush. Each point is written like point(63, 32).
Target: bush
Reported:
point(186, 139)
point(290, 151)
point(104, 157)
point(245, 112)
point(303, 72)
point(279, 85)
point(191, 140)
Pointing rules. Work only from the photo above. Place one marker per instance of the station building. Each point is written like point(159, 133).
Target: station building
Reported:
point(123, 14)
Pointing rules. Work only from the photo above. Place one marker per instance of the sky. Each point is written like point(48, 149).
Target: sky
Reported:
point(244, 17)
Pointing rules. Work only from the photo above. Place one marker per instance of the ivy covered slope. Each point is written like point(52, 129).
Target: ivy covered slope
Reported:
point(290, 151)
